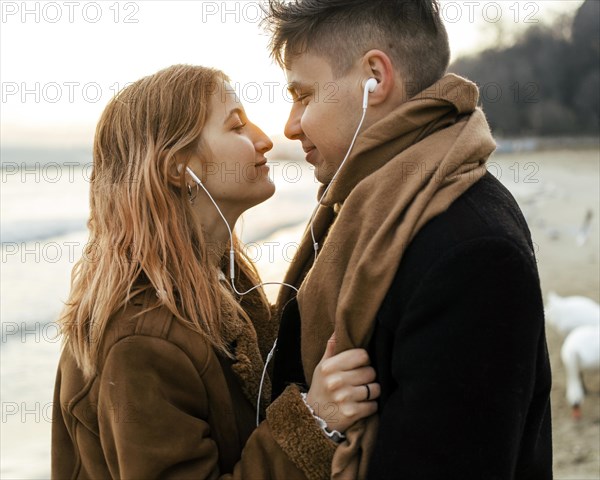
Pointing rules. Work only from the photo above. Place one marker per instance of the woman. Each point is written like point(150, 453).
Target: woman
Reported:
point(162, 363)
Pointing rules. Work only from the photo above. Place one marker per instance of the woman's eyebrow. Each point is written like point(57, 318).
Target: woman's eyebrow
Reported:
point(232, 112)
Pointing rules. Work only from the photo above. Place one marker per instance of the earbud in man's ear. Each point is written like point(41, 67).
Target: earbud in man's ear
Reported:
point(369, 88)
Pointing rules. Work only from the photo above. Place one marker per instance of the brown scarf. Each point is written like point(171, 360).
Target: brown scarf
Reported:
point(405, 169)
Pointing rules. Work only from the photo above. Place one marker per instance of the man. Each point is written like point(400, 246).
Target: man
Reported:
point(421, 255)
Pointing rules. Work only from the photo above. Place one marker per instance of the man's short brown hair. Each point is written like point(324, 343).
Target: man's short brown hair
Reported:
point(411, 32)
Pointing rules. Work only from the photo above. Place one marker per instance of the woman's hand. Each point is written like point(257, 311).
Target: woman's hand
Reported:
point(338, 393)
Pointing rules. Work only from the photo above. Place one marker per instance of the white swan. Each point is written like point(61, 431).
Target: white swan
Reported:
point(567, 313)
point(580, 352)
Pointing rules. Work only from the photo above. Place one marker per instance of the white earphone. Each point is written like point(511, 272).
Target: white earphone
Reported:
point(370, 86)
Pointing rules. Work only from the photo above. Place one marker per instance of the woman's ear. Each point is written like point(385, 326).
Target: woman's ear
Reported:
point(176, 175)
point(378, 65)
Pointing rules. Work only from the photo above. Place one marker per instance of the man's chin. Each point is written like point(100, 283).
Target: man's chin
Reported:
point(324, 172)
point(323, 176)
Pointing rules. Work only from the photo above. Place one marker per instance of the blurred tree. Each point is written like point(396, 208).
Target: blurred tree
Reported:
point(547, 82)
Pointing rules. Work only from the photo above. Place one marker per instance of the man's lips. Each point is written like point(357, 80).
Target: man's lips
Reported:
point(310, 154)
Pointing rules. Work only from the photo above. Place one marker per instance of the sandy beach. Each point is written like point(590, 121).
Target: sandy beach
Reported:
point(555, 208)
point(554, 188)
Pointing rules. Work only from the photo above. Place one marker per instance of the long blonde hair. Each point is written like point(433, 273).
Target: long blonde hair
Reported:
point(141, 224)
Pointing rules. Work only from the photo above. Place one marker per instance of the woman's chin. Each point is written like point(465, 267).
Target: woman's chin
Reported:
point(269, 191)
point(266, 192)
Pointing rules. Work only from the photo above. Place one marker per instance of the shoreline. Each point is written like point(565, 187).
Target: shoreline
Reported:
point(554, 195)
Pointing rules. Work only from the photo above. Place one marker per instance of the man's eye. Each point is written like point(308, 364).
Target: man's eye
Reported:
point(239, 127)
point(302, 99)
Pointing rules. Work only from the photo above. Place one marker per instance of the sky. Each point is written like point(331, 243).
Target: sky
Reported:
point(61, 62)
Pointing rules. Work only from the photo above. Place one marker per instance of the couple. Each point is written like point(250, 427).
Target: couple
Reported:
point(415, 346)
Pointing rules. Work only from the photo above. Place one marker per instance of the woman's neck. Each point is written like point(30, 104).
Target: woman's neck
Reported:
point(216, 234)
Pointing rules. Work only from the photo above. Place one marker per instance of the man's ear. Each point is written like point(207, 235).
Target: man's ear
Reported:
point(378, 65)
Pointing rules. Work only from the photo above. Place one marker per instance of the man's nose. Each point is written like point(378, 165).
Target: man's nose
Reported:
point(293, 129)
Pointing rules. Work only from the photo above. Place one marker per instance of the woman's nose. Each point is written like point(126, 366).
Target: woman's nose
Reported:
point(263, 143)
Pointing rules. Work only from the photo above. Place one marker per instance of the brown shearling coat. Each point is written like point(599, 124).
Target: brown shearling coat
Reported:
point(164, 405)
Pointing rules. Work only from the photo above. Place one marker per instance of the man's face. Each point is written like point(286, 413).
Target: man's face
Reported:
point(325, 112)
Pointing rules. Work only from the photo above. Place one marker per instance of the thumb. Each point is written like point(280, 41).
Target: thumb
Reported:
point(330, 348)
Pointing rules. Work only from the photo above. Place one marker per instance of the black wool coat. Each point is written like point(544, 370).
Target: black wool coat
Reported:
point(459, 348)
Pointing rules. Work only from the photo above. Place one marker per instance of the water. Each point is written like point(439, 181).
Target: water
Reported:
point(42, 230)
point(43, 212)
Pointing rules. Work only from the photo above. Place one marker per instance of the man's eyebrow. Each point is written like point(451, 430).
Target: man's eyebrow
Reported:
point(297, 86)
point(232, 112)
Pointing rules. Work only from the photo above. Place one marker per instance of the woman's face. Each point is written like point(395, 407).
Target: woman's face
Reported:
point(236, 173)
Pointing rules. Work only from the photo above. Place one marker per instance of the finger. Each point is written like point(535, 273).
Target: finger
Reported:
point(354, 411)
point(348, 360)
point(358, 376)
point(358, 394)
point(375, 390)
point(362, 394)
point(330, 347)
point(366, 409)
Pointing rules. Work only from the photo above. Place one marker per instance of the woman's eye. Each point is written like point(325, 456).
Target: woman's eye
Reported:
point(239, 127)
